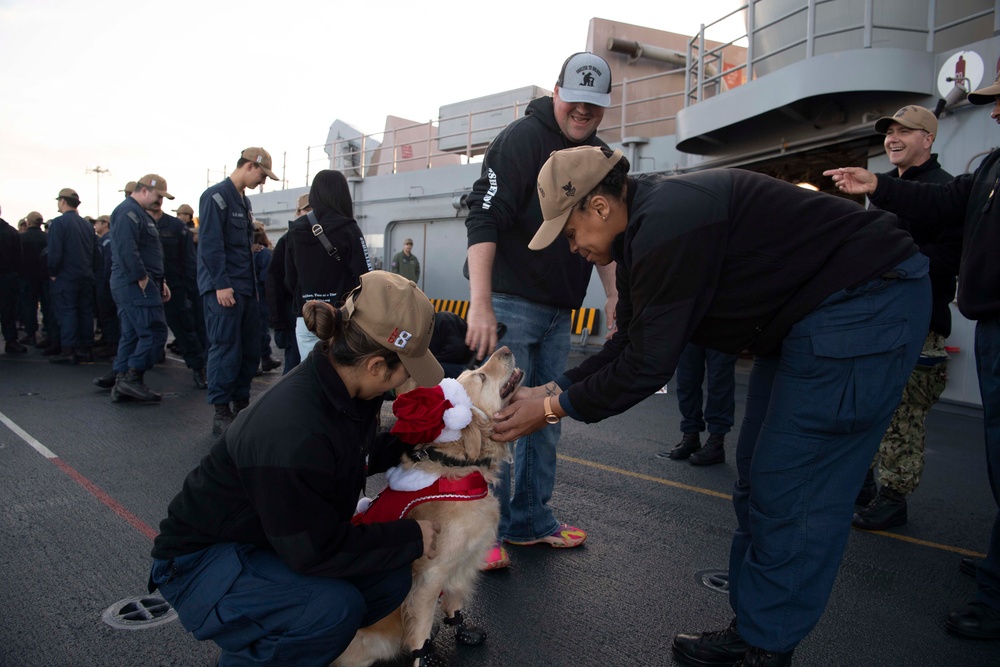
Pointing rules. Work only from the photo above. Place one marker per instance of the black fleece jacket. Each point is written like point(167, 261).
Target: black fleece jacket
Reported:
point(313, 274)
point(286, 476)
point(942, 245)
point(504, 208)
point(727, 259)
point(967, 201)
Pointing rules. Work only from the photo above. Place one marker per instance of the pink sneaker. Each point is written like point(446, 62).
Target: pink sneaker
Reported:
point(496, 558)
point(566, 536)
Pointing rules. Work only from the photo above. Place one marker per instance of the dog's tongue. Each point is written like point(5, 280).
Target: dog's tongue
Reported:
point(512, 382)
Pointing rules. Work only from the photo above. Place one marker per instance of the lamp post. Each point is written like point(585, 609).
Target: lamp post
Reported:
point(98, 170)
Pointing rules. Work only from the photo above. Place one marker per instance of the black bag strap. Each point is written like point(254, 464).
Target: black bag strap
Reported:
point(317, 230)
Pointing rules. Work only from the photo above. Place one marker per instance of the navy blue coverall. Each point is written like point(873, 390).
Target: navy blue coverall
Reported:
point(136, 254)
point(225, 260)
point(74, 261)
point(177, 248)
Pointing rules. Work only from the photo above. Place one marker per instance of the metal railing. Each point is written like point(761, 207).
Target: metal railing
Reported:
point(698, 85)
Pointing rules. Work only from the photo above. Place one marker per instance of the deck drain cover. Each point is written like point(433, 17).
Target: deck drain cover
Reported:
point(716, 580)
point(139, 613)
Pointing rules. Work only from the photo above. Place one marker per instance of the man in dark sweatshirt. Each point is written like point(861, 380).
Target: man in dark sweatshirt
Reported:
point(967, 201)
point(532, 293)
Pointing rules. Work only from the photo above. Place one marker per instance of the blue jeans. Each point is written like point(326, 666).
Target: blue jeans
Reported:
point(260, 612)
point(721, 404)
point(988, 369)
point(815, 415)
point(538, 336)
point(234, 352)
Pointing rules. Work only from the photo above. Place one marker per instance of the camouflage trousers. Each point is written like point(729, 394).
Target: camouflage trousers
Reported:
point(900, 458)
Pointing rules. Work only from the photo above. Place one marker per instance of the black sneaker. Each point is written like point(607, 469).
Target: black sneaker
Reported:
point(707, 649)
point(887, 510)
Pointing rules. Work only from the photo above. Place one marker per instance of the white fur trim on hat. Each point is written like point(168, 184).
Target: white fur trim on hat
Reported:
point(457, 417)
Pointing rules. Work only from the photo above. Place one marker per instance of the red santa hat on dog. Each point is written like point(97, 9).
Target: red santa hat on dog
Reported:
point(433, 414)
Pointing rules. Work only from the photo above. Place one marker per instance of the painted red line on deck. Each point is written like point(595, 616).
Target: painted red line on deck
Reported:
point(107, 500)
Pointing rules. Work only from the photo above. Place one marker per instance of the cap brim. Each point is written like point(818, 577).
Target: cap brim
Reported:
point(425, 369)
point(168, 195)
point(882, 124)
point(270, 174)
point(985, 95)
point(549, 230)
point(574, 96)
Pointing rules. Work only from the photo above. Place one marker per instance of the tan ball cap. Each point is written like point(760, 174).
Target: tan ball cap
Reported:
point(302, 202)
point(396, 314)
point(184, 208)
point(913, 117)
point(566, 178)
point(261, 158)
point(156, 182)
point(987, 95)
point(68, 193)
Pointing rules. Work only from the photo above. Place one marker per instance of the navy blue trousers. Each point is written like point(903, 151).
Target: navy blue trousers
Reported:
point(73, 303)
point(143, 326)
point(180, 319)
point(285, 339)
point(988, 368)
point(260, 612)
point(720, 405)
point(815, 416)
point(234, 347)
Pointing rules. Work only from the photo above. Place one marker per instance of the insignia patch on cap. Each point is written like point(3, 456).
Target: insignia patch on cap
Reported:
point(400, 338)
point(570, 190)
point(260, 158)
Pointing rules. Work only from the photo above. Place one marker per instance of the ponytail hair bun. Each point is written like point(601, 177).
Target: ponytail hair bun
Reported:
point(322, 319)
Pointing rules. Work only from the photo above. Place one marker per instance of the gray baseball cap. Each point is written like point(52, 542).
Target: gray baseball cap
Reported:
point(585, 77)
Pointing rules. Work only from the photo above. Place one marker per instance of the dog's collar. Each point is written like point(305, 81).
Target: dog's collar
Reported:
point(450, 461)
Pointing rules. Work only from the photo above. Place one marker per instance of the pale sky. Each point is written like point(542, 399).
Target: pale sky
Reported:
point(180, 88)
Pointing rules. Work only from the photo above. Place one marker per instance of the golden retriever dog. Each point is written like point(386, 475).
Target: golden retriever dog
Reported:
point(468, 526)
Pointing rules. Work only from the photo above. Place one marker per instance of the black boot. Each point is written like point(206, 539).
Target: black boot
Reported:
point(106, 381)
point(268, 364)
point(976, 620)
point(223, 418)
point(239, 404)
point(465, 633)
point(52, 349)
point(67, 355)
point(713, 452)
point(867, 493)
point(117, 396)
point(722, 647)
point(43, 343)
point(689, 444)
point(200, 381)
point(131, 384)
point(27, 339)
point(758, 657)
point(888, 509)
point(84, 355)
point(13, 347)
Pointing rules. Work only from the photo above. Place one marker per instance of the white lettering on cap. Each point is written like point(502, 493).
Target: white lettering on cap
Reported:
point(402, 339)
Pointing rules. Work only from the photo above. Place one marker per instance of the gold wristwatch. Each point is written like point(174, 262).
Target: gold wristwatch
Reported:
point(550, 417)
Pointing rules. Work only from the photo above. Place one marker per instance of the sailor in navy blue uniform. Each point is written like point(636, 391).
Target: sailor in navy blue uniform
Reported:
point(138, 288)
point(177, 248)
point(228, 287)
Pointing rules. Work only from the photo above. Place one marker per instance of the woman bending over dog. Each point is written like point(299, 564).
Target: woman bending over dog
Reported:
point(258, 552)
